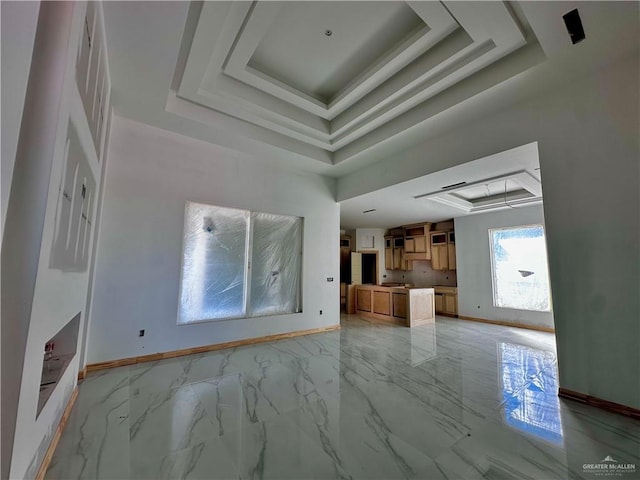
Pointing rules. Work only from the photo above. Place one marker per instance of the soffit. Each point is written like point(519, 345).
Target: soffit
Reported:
point(505, 180)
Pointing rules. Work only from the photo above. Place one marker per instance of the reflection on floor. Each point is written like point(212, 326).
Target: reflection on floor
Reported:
point(451, 400)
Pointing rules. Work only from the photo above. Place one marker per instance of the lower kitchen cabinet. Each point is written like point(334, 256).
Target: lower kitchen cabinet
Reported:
point(446, 300)
point(363, 300)
point(404, 306)
point(382, 302)
point(399, 305)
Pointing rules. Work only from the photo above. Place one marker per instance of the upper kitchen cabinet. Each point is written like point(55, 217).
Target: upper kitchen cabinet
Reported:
point(443, 250)
point(416, 241)
point(394, 254)
point(451, 249)
point(439, 252)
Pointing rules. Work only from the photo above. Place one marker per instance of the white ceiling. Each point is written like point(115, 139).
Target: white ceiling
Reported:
point(297, 51)
point(396, 205)
point(262, 78)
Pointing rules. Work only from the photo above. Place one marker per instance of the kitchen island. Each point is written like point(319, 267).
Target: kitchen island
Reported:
point(410, 306)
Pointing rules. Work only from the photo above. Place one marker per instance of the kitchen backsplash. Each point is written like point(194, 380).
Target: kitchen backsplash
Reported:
point(422, 275)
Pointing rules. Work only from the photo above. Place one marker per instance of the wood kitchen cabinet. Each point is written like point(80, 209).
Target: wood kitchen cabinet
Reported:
point(450, 304)
point(443, 251)
point(439, 251)
point(446, 300)
point(400, 305)
point(394, 254)
point(388, 259)
point(397, 259)
point(363, 300)
point(382, 302)
point(439, 301)
point(451, 250)
point(416, 241)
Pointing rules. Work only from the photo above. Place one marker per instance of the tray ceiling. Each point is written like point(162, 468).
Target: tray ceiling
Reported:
point(274, 65)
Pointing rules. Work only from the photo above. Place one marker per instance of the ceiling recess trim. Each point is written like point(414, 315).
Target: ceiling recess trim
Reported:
point(455, 41)
point(520, 189)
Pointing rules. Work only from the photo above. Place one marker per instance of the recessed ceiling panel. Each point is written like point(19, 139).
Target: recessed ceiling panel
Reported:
point(344, 76)
point(320, 47)
point(478, 192)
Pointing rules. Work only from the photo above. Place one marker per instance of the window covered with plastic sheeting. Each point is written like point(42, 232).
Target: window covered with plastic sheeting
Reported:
point(237, 263)
point(275, 265)
point(519, 268)
point(213, 263)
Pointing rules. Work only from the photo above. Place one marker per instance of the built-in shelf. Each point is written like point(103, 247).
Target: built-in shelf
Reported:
point(59, 350)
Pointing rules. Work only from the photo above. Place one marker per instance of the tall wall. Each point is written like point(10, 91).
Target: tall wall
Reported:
point(40, 295)
point(19, 21)
point(150, 175)
point(587, 134)
point(473, 255)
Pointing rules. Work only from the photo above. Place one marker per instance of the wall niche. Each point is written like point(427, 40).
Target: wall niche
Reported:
point(74, 210)
point(59, 350)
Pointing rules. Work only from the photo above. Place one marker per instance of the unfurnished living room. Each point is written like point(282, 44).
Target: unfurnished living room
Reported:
point(320, 239)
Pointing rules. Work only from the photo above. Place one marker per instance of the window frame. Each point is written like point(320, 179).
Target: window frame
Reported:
point(494, 279)
point(247, 311)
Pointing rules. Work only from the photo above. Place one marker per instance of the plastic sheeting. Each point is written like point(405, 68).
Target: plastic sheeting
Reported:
point(276, 264)
point(213, 263)
point(219, 282)
point(519, 263)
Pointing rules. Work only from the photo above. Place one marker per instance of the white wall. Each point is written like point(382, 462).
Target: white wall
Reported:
point(19, 20)
point(475, 288)
point(53, 296)
point(150, 175)
point(587, 134)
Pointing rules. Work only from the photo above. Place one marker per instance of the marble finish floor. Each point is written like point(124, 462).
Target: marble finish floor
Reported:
point(454, 400)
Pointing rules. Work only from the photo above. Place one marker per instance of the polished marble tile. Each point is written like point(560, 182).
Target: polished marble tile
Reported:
point(95, 442)
point(164, 422)
point(454, 400)
point(204, 460)
point(157, 376)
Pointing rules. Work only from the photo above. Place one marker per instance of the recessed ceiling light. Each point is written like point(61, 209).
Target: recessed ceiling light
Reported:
point(328, 33)
point(369, 211)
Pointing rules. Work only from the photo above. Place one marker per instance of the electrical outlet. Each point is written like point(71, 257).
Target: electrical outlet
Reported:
point(329, 279)
point(141, 333)
point(320, 312)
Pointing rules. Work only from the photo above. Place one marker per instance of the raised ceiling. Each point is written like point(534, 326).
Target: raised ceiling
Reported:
point(330, 74)
point(264, 81)
point(342, 41)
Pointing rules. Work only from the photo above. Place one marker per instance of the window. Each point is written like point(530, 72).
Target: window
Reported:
point(519, 268)
point(237, 263)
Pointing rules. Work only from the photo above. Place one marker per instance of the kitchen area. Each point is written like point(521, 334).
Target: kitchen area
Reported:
point(403, 275)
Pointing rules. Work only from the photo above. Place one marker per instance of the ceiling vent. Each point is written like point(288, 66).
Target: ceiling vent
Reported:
point(574, 26)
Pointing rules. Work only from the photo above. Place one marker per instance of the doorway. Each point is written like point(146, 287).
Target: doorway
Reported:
point(370, 268)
